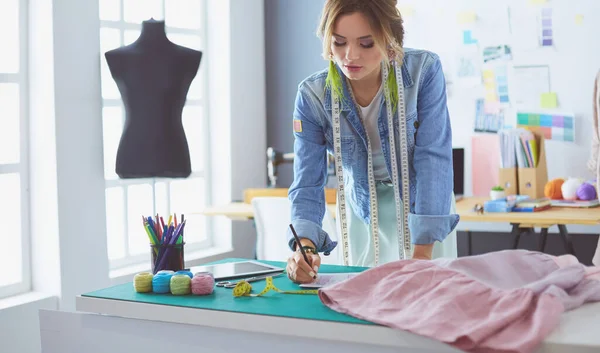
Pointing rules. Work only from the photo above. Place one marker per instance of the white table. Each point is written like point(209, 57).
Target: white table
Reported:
point(106, 325)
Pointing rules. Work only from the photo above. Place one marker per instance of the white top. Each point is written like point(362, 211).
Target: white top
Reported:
point(370, 114)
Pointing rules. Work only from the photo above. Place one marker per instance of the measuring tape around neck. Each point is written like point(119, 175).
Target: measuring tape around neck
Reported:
point(404, 243)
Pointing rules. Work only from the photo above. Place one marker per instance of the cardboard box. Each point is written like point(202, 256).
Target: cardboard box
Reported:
point(533, 180)
point(508, 179)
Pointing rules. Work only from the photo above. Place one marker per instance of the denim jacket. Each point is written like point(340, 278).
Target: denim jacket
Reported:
point(429, 149)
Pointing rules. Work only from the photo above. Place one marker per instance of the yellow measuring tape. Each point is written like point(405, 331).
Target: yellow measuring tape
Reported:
point(243, 289)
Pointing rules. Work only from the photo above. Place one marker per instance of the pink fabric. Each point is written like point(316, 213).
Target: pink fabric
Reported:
point(506, 301)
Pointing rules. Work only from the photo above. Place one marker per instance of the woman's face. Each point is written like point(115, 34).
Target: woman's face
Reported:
point(353, 47)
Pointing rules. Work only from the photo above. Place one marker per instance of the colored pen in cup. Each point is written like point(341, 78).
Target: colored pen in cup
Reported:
point(300, 245)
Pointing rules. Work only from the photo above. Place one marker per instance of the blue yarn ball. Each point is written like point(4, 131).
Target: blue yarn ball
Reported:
point(161, 283)
point(586, 192)
point(184, 272)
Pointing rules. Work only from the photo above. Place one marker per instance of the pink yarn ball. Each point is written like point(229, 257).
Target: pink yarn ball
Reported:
point(586, 192)
point(203, 283)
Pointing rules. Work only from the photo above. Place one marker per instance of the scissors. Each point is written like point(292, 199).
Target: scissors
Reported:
point(228, 284)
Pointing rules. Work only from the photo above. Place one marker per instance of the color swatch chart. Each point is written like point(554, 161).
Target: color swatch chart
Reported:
point(546, 27)
point(558, 127)
point(496, 85)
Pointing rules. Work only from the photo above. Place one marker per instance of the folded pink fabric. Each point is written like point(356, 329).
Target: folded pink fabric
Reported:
point(501, 302)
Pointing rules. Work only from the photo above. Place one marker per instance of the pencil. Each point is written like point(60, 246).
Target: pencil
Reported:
point(299, 245)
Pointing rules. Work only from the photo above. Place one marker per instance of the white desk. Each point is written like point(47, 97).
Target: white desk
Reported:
point(104, 325)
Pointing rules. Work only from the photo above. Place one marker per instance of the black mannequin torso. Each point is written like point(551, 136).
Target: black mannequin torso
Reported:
point(153, 75)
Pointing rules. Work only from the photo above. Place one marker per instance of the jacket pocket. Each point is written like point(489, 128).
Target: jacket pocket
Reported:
point(348, 151)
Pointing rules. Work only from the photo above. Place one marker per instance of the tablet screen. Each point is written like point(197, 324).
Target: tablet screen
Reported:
point(236, 269)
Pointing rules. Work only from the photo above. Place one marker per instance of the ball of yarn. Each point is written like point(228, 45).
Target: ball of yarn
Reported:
point(569, 188)
point(161, 283)
point(586, 192)
point(184, 272)
point(180, 284)
point(142, 282)
point(241, 289)
point(593, 183)
point(165, 272)
point(203, 283)
point(552, 190)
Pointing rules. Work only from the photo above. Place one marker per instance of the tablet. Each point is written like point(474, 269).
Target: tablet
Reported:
point(233, 270)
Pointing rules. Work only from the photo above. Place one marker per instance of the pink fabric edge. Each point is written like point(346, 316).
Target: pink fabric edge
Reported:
point(591, 272)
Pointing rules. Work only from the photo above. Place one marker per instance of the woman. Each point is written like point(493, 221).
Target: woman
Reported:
point(347, 109)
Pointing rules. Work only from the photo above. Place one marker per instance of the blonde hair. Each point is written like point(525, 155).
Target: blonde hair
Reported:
point(385, 20)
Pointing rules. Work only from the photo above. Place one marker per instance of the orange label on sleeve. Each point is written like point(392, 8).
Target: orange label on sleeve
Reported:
point(297, 125)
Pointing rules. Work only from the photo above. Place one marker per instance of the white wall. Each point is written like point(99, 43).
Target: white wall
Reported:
point(69, 254)
point(573, 63)
point(19, 323)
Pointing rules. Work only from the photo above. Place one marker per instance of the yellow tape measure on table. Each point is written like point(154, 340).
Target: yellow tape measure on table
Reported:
point(244, 289)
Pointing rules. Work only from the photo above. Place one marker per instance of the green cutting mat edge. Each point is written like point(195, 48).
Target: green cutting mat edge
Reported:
point(300, 306)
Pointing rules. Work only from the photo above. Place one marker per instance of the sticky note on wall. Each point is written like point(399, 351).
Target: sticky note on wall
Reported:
point(537, 2)
point(467, 17)
point(468, 38)
point(549, 100)
point(578, 19)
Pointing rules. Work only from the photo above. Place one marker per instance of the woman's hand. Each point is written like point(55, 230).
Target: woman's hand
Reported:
point(298, 270)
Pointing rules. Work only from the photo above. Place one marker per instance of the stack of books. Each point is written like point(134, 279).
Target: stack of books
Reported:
point(576, 203)
point(533, 205)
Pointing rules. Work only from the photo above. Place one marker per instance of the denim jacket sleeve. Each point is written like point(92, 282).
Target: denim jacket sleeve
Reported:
point(307, 192)
point(431, 219)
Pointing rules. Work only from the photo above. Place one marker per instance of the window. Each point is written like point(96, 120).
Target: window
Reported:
point(128, 199)
point(14, 178)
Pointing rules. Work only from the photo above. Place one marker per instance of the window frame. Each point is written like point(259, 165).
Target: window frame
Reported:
point(122, 26)
point(22, 167)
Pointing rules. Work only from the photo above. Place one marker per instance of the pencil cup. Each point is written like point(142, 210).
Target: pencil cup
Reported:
point(167, 257)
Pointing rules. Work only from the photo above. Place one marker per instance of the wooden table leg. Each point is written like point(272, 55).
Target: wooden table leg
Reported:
point(543, 239)
point(566, 239)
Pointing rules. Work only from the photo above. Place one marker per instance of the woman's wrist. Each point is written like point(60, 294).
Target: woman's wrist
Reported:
point(423, 251)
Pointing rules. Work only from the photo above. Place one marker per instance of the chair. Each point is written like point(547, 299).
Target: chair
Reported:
point(272, 217)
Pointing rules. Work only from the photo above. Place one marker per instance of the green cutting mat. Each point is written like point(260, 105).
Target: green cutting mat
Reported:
point(302, 306)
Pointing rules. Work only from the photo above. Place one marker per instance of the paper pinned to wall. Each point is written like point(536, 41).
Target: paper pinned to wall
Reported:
point(495, 83)
point(549, 100)
point(469, 64)
point(498, 52)
point(553, 125)
point(489, 83)
point(465, 17)
point(579, 19)
point(488, 117)
point(529, 83)
point(468, 38)
point(546, 28)
point(502, 84)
